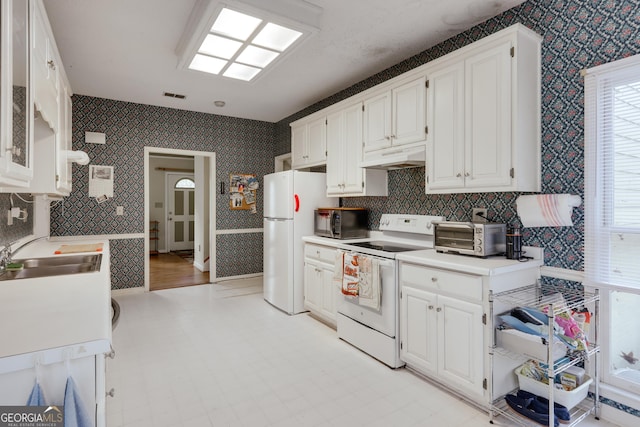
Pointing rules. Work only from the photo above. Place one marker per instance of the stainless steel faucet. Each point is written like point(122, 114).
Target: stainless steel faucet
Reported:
point(26, 244)
point(6, 256)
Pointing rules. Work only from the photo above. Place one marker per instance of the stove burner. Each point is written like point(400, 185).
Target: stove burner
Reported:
point(387, 246)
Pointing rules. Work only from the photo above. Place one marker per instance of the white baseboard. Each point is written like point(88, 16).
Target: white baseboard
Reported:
point(241, 276)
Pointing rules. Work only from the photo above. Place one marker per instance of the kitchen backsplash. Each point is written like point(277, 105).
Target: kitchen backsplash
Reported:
point(576, 35)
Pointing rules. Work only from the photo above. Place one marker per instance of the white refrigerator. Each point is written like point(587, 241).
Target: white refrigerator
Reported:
point(290, 197)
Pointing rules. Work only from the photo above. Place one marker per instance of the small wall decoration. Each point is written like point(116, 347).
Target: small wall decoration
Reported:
point(242, 191)
point(100, 182)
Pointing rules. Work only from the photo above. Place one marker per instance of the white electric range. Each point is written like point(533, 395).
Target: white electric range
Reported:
point(376, 331)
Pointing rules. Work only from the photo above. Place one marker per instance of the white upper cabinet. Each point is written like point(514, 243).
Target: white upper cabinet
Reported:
point(309, 144)
point(345, 177)
point(395, 117)
point(483, 116)
point(16, 132)
point(49, 119)
point(46, 66)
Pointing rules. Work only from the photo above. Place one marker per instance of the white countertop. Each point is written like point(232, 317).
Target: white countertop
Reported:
point(44, 313)
point(489, 266)
point(334, 243)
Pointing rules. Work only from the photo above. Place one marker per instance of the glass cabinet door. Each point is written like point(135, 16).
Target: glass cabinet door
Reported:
point(16, 157)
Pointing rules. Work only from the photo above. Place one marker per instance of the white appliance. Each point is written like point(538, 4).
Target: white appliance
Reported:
point(290, 197)
point(377, 332)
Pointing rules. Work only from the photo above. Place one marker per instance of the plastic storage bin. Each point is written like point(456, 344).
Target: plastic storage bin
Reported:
point(565, 398)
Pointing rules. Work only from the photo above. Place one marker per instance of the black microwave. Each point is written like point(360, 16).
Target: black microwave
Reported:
point(341, 223)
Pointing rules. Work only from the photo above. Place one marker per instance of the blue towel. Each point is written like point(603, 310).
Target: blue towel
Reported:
point(36, 398)
point(75, 414)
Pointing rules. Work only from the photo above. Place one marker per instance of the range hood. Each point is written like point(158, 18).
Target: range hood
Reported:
point(395, 158)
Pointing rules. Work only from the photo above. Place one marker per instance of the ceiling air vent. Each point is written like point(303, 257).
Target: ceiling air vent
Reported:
point(174, 95)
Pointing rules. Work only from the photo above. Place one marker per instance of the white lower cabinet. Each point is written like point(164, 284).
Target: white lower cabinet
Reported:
point(446, 326)
point(320, 293)
point(441, 335)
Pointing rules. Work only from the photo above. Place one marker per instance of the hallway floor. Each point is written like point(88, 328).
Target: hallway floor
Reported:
point(219, 355)
point(169, 270)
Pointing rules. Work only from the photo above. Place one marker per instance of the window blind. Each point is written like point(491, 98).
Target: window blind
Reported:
point(612, 174)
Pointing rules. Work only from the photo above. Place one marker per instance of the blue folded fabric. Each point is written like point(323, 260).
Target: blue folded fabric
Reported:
point(36, 398)
point(541, 405)
point(525, 408)
point(75, 414)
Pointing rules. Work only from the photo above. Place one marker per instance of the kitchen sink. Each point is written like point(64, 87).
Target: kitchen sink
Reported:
point(53, 266)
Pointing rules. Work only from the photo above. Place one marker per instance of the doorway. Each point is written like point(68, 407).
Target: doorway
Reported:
point(180, 211)
point(191, 227)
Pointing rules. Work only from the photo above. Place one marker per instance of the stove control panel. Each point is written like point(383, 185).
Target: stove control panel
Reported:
point(419, 224)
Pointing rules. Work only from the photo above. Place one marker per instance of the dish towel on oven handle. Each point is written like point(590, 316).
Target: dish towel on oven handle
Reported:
point(350, 274)
point(369, 283)
point(338, 267)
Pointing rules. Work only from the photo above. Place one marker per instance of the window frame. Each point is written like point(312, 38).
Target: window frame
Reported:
point(599, 208)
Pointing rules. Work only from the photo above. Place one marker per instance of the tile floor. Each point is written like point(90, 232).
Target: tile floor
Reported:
point(218, 355)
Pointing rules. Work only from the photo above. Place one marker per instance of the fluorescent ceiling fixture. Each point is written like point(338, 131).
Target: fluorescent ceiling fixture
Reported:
point(257, 56)
point(219, 46)
point(240, 45)
point(241, 72)
point(276, 37)
point(207, 64)
point(235, 24)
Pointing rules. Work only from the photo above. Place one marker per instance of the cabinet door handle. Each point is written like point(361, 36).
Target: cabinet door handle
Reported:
point(51, 64)
point(439, 309)
point(458, 175)
point(434, 279)
point(111, 393)
point(467, 174)
point(430, 307)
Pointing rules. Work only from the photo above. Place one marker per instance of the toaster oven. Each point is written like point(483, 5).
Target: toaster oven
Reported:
point(469, 238)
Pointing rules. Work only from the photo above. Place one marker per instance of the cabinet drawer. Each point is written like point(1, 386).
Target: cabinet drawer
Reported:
point(321, 253)
point(443, 281)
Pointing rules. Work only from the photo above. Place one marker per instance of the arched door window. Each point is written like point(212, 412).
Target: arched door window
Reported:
point(185, 183)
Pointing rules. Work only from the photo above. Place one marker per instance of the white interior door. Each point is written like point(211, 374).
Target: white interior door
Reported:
point(180, 212)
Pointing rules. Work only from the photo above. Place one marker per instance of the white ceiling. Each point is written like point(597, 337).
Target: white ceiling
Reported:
point(126, 50)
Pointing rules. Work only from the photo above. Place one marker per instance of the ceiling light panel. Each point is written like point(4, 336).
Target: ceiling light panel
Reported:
point(221, 47)
point(257, 56)
point(241, 72)
point(235, 24)
point(276, 37)
point(240, 45)
point(207, 64)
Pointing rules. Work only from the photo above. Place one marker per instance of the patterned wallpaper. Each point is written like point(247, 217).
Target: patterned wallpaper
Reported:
point(576, 35)
point(241, 146)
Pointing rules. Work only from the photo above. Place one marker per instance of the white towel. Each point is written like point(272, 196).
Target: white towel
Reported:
point(547, 210)
point(350, 274)
point(369, 282)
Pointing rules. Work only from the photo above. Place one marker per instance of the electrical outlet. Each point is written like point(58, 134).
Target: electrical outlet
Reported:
point(479, 215)
point(119, 210)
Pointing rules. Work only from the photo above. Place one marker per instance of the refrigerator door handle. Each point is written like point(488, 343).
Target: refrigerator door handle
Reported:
point(297, 201)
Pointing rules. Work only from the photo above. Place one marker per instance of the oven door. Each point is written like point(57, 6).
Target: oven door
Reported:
point(384, 319)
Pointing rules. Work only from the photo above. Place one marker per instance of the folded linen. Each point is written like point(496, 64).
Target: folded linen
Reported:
point(547, 210)
point(369, 282)
point(350, 274)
